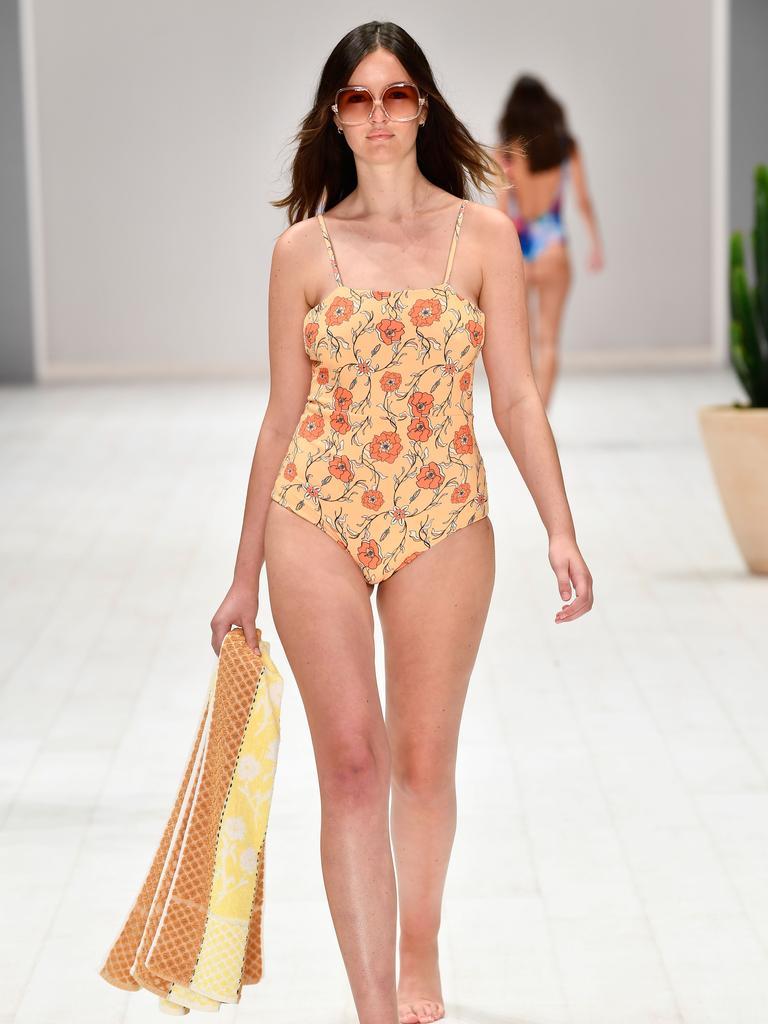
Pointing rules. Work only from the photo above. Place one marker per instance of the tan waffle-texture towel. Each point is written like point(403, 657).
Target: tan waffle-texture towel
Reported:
point(193, 936)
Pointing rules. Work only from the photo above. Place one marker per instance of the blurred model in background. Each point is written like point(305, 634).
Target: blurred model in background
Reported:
point(538, 154)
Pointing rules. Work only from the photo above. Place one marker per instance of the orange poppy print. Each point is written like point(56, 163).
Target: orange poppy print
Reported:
point(310, 333)
point(340, 468)
point(462, 439)
point(339, 421)
point(369, 554)
point(339, 311)
point(390, 331)
point(461, 493)
point(342, 398)
point(312, 427)
point(386, 446)
point(419, 430)
point(373, 500)
point(391, 381)
point(476, 332)
point(384, 459)
point(420, 403)
point(430, 476)
point(425, 312)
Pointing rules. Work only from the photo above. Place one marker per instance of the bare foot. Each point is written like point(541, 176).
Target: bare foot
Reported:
point(419, 1011)
point(419, 994)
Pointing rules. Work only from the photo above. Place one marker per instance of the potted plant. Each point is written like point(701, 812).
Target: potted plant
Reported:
point(736, 435)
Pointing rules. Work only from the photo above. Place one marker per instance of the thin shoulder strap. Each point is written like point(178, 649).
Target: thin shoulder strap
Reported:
point(454, 241)
point(329, 247)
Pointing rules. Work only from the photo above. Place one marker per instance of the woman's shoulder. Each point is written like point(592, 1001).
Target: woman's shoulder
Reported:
point(491, 223)
point(299, 237)
point(298, 231)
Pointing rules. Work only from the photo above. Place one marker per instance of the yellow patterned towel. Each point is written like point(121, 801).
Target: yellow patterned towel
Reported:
point(193, 936)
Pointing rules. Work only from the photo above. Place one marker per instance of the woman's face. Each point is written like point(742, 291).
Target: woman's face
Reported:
point(380, 140)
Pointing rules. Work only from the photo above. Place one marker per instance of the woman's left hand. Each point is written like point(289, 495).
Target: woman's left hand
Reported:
point(570, 568)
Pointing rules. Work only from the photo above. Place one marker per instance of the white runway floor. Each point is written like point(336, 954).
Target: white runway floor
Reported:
point(611, 861)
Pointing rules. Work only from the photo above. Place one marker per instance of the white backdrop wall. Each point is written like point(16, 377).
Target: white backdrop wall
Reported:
point(164, 131)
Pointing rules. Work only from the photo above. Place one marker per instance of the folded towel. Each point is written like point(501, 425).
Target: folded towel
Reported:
point(194, 934)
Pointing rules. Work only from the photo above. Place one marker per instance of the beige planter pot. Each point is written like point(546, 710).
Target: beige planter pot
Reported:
point(736, 440)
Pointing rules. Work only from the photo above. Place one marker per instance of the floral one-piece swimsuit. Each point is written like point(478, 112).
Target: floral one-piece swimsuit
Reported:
point(384, 457)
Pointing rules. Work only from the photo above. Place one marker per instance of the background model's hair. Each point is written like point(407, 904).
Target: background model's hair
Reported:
point(535, 122)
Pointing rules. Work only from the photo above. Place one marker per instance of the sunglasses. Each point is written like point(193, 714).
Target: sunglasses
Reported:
point(400, 101)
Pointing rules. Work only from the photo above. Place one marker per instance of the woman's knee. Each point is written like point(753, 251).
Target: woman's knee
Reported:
point(354, 770)
point(422, 782)
point(548, 351)
point(424, 773)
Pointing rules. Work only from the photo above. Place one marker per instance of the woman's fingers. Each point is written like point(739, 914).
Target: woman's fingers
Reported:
point(569, 567)
point(249, 629)
point(582, 582)
point(573, 610)
point(561, 567)
point(249, 632)
point(218, 632)
point(564, 584)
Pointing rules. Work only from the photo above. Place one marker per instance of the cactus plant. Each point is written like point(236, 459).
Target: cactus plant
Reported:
point(749, 306)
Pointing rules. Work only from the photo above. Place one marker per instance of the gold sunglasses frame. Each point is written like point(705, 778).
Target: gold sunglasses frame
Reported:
point(378, 101)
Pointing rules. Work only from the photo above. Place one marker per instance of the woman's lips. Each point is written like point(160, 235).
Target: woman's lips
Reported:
point(381, 135)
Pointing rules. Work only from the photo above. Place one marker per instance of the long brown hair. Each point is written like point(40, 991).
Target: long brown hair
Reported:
point(534, 121)
point(323, 170)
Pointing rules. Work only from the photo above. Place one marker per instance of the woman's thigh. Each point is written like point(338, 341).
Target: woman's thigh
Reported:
point(432, 614)
point(321, 607)
point(551, 273)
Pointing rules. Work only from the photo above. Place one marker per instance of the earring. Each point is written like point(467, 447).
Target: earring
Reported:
point(337, 128)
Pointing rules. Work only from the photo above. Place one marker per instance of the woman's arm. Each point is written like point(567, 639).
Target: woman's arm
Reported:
point(584, 202)
point(290, 373)
point(518, 410)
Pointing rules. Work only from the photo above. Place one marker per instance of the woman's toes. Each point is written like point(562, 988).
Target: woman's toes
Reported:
point(407, 1014)
point(428, 1012)
point(422, 1011)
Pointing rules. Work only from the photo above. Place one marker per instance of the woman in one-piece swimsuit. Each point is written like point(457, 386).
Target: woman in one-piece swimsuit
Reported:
point(384, 289)
point(538, 154)
point(384, 458)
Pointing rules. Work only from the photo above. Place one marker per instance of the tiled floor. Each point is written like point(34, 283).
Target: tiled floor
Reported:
point(611, 862)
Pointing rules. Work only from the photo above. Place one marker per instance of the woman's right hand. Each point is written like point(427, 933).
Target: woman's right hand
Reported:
point(596, 259)
point(238, 608)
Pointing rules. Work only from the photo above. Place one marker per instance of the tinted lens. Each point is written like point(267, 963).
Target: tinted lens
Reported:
point(354, 105)
point(401, 102)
